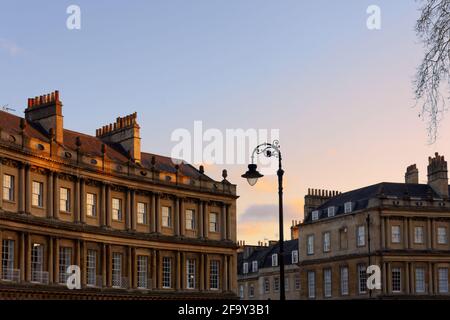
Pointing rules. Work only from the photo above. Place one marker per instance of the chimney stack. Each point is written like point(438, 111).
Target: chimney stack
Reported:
point(412, 174)
point(126, 132)
point(437, 175)
point(46, 110)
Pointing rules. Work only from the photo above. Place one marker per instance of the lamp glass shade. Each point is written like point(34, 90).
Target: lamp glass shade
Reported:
point(252, 175)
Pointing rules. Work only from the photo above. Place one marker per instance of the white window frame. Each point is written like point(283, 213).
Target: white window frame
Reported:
point(241, 291)
point(37, 196)
point(362, 278)
point(344, 281)
point(361, 236)
point(37, 262)
point(419, 275)
point(396, 234)
point(64, 199)
point(116, 206)
point(443, 280)
point(167, 273)
point(190, 273)
point(254, 266)
point(245, 268)
point(419, 234)
point(190, 219)
point(116, 269)
point(8, 258)
point(311, 275)
point(213, 222)
point(315, 215)
point(327, 289)
point(141, 213)
point(8, 187)
point(91, 268)
point(142, 272)
point(294, 256)
point(326, 241)
point(276, 284)
point(275, 260)
point(442, 235)
point(348, 207)
point(166, 216)
point(396, 279)
point(91, 204)
point(331, 211)
point(65, 260)
point(310, 244)
point(214, 274)
point(266, 285)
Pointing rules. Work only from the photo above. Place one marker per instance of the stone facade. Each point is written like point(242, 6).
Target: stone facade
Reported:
point(138, 225)
point(400, 227)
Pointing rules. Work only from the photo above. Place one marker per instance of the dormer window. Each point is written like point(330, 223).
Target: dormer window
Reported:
point(245, 268)
point(315, 215)
point(331, 211)
point(274, 260)
point(348, 207)
point(294, 256)
point(254, 266)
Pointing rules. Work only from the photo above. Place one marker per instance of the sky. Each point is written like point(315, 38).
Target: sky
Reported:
point(340, 95)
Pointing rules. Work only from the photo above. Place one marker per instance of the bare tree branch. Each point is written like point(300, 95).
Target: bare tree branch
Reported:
point(433, 28)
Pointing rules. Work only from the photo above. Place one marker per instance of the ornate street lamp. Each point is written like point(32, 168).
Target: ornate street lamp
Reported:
point(252, 176)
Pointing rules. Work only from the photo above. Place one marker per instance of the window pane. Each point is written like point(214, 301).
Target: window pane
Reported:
point(344, 281)
point(167, 272)
point(166, 217)
point(91, 267)
point(214, 274)
point(91, 204)
point(420, 280)
point(142, 272)
point(141, 213)
point(396, 280)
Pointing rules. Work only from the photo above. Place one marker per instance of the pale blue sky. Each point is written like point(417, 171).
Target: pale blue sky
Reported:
point(340, 94)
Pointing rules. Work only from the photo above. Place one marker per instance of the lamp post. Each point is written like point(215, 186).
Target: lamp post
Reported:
point(252, 176)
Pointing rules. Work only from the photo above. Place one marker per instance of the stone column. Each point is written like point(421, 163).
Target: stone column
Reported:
point(21, 196)
point(77, 204)
point(432, 234)
point(407, 280)
point(200, 219)
point(50, 260)
point(130, 267)
point(178, 271)
point(56, 261)
point(102, 211)
point(108, 205)
point(389, 278)
point(406, 233)
point(158, 213)
point(205, 220)
point(183, 217)
point(228, 213)
point(176, 214)
point(133, 268)
point(223, 222)
point(133, 210)
point(50, 194)
point(430, 278)
point(108, 266)
point(78, 253)
point(22, 256)
point(154, 269)
point(28, 258)
point(383, 232)
point(104, 263)
point(387, 233)
point(225, 274)
point(83, 264)
point(56, 195)
point(27, 189)
point(128, 210)
point(429, 244)
point(384, 278)
point(153, 213)
point(202, 272)
point(82, 200)
point(183, 275)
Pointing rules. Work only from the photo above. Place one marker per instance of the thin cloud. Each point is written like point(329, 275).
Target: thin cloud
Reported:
point(10, 47)
point(268, 213)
